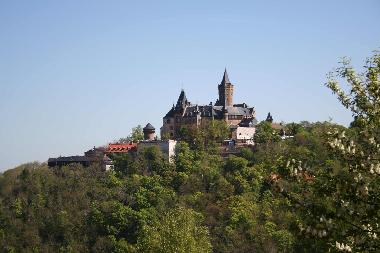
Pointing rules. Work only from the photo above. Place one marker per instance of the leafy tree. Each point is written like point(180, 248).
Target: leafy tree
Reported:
point(265, 133)
point(178, 230)
point(341, 204)
point(235, 164)
point(206, 137)
point(293, 129)
point(184, 158)
point(123, 163)
point(136, 135)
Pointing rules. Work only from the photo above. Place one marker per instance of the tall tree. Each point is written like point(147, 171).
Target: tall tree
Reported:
point(340, 205)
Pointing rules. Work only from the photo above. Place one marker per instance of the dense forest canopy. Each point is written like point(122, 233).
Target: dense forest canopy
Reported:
point(315, 192)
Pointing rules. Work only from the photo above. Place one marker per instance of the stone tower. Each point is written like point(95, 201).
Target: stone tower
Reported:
point(226, 91)
point(149, 132)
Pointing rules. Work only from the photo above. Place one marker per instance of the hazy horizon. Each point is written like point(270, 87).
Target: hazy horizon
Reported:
point(75, 75)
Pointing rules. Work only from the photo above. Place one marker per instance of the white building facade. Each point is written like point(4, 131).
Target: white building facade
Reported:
point(167, 147)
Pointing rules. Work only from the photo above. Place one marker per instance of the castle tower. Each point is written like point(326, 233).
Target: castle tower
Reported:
point(226, 91)
point(149, 132)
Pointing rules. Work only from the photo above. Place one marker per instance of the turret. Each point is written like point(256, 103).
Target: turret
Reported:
point(149, 132)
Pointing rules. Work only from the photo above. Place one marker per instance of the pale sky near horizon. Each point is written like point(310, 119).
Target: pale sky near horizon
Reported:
point(77, 74)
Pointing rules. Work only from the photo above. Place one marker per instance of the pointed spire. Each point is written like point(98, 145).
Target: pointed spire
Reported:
point(269, 118)
point(225, 77)
point(182, 100)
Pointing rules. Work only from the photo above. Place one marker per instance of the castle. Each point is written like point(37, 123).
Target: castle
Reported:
point(239, 117)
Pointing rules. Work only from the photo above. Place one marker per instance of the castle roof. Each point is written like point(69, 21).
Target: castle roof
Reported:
point(121, 147)
point(218, 111)
point(225, 79)
point(248, 122)
point(149, 127)
point(182, 100)
point(184, 108)
point(170, 113)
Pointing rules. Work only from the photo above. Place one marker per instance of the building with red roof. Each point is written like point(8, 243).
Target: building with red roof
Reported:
point(121, 147)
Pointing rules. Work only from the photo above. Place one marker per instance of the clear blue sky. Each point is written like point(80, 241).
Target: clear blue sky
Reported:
point(77, 74)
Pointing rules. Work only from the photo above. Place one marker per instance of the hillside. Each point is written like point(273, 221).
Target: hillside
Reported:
point(315, 192)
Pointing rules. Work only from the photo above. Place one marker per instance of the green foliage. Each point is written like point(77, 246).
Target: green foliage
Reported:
point(265, 133)
point(184, 159)
point(235, 164)
point(200, 203)
point(177, 231)
point(206, 137)
point(339, 208)
point(293, 129)
point(136, 135)
point(123, 163)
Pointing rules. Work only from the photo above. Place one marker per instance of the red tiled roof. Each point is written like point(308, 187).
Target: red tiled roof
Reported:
point(121, 147)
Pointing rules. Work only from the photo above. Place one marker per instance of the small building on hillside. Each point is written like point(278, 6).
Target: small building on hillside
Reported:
point(66, 160)
point(167, 147)
point(244, 135)
point(95, 155)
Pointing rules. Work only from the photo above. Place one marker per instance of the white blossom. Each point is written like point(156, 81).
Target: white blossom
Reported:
point(343, 247)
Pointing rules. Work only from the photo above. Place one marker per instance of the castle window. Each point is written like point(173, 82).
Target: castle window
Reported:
point(168, 121)
point(171, 128)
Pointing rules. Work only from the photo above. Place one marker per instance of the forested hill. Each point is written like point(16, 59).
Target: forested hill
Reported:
point(315, 192)
point(200, 203)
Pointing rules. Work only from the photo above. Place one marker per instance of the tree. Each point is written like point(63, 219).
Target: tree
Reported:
point(340, 205)
point(206, 137)
point(265, 133)
point(136, 135)
point(293, 129)
point(235, 164)
point(184, 158)
point(178, 231)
